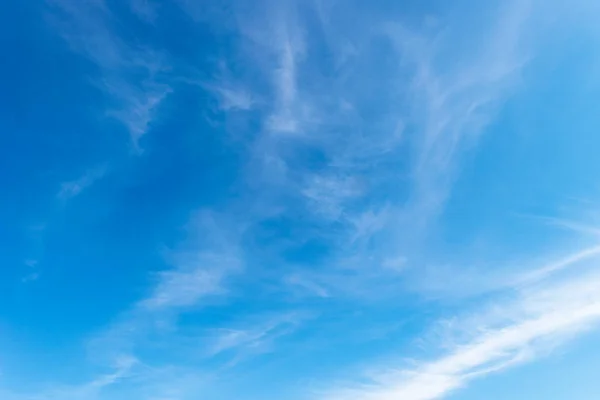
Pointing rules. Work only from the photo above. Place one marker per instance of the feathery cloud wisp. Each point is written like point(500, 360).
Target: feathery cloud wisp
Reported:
point(541, 317)
point(188, 284)
point(73, 188)
point(88, 28)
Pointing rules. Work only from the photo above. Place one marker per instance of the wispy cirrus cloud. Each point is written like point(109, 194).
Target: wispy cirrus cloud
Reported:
point(182, 288)
point(199, 271)
point(254, 336)
point(209, 255)
point(202, 275)
point(280, 48)
point(537, 319)
point(347, 164)
point(437, 110)
point(401, 155)
point(146, 10)
point(305, 285)
point(73, 188)
point(132, 75)
point(586, 228)
point(454, 102)
point(234, 99)
point(367, 144)
point(122, 369)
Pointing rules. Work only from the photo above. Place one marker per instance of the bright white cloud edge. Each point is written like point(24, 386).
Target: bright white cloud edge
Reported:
point(544, 315)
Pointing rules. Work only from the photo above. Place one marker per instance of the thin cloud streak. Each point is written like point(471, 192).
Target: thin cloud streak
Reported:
point(449, 109)
point(88, 28)
point(339, 190)
point(569, 261)
point(542, 317)
point(71, 189)
point(121, 370)
point(567, 224)
point(201, 269)
point(454, 104)
point(254, 337)
point(186, 285)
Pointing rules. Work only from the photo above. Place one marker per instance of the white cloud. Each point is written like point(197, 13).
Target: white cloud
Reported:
point(201, 264)
point(449, 282)
point(232, 99)
point(186, 285)
point(137, 105)
point(305, 284)
point(201, 268)
point(31, 263)
point(367, 224)
point(558, 265)
point(396, 264)
point(568, 224)
point(146, 10)
point(31, 277)
point(540, 318)
point(329, 194)
point(356, 119)
point(454, 101)
point(71, 189)
point(229, 92)
point(122, 368)
point(430, 110)
point(255, 337)
point(451, 108)
point(289, 48)
point(278, 47)
point(88, 27)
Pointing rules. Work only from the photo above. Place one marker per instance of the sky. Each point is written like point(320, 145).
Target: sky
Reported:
point(299, 199)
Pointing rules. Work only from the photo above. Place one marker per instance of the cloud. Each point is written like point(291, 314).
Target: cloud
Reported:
point(277, 44)
point(451, 283)
point(567, 224)
point(288, 48)
point(146, 10)
point(377, 130)
point(202, 263)
point(305, 284)
point(200, 271)
point(133, 76)
point(356, 156)
point(122, 369)
point(204, 268)
point(255, 337)
point(540, 318)
point(454, 101)
point(34, 273)
point(123, 366)
point(186, 285)
point(126, 378)
point(138, 105)
point(232, 99)
point(329, 194)
point(559, 265)
point(31, 277)
point(72, 189)
point(388, 150)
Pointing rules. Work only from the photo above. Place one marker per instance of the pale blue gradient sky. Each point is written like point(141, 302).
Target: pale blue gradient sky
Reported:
point(311, 200)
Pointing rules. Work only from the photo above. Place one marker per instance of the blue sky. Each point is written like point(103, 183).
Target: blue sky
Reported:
point(308, 200)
